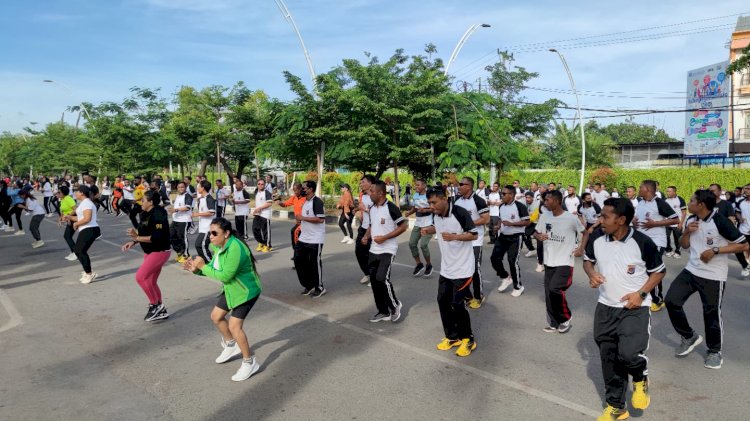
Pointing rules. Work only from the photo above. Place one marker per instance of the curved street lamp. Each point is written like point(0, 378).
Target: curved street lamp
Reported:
point(461, 43)
point(70, 91)
point(580, 118)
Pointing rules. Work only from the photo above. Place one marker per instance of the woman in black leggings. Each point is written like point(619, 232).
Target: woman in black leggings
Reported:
point(5, 206)
point(84, 221)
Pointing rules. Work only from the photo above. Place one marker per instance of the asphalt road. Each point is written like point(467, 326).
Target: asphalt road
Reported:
point(74, 351)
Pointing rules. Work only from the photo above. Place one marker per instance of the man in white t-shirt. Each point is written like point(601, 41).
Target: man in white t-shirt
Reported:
point(206, 211)
point(742, 213)
point(494, 202)
point(241, 202)
point(559, 231)
point(674, 231)
point(632, 195)
point(599, 194)
point(571, 202)
point(221, 198)
point(262, 217)
point(182, 217)
point(308, 257)
point(514, 217)
point(480, 214)
point(418, 241)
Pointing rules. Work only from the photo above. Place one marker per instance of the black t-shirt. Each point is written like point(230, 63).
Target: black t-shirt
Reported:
point(155, 223)
point(94, 191)
point(725, 209)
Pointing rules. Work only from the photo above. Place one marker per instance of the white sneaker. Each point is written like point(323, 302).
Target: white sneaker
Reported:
point(37, 244)
point(72, 256)
point(517, 292)
point(49, 215)
point(530, 253)
point(246, 370)
point(8, 229)
point(228, 352)
point(677, 255)
point(669, 253)
point(350, 241)
point(504, 284)
point(746, 272)
point(539, 268)
point(343, 240)
point(19, 233)
point(87, 279)
point(365, 279)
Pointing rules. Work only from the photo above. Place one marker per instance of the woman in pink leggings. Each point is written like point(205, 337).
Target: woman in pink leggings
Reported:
point(153, 235)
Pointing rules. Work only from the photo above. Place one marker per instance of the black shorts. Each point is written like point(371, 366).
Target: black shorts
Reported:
point(240, 311)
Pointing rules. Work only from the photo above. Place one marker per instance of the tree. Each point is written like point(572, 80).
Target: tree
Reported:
point(251, 119)
point(631, 133)
point(742, 63)
point(564, 146)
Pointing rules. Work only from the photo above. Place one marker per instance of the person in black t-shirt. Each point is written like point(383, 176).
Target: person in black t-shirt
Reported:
point(153, 235)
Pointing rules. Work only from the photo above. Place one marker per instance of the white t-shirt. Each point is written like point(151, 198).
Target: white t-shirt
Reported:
point(86, 204)
point(181, 201)
point(384, 219)
point(657, 210)
point(241, 209)
point(563, 233)
point(744, 208)
point(47, 189)
point(572, 203)
point(311, 233)
point(262, 197)
point(367, 202)
point(476, 207)
point(107, 189)
point(456, 257)
point(420, 202)
point(514, 212)
point(206, 204)
point(714, 231)
point(34, 207)
point(599, 197)
point(221, 196)
point(494, 209)
point(127, 192)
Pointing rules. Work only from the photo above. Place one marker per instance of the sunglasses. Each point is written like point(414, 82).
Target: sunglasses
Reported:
point(213, 234)
point(463, 184)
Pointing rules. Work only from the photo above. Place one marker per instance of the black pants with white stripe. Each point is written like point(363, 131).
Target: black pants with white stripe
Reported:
point(510, 245)
point(309, 266)
point(657, 294)
point(622, 336)
point(362, 252)
point(712, 294)
point(262, 230)
point(240, 225)
point(219, 211)
point(557, 280)
point(673, 232)
point(380, 279)
point(178, 238)
point(202, 246)
point(477, 277)
point(451, 298)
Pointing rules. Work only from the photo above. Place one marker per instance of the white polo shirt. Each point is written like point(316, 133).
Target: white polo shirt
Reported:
point(181, 201)
point(657, 210)
point(743, 207)
point(600, 196)
point(367, 202)
point(241, 209)
point(420, 202)
point(563, 233)
point(572, 203)
point(714, 231)
point(261, 197)
point(313, 233)
point(494, 209)
point(677, 203)
point(476, 207)
point(383, 220)
point(456, 257)
point(206, 204)
point(590, 214)
point(625, 264)
point(514, 212)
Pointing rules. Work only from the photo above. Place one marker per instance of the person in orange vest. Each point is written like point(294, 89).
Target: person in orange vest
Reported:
point(296, 200)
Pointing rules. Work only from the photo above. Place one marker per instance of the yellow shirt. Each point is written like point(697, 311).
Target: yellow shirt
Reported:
point(138, 192)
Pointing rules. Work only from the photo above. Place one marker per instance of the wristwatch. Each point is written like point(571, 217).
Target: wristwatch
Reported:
point(643, 294)
point(715, 250)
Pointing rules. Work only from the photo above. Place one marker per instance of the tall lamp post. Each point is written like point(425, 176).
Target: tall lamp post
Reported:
point(70, 91)
point(580, 118)
point(288, 16)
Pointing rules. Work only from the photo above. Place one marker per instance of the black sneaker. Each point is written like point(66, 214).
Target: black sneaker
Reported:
point(418, 270)
point(151, 311)
point(380, 317)
point(317, 292)
point(160, 315)
point(427, 271)
point(307, 291)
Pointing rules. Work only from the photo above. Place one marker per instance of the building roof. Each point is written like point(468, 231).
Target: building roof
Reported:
point(743, 24)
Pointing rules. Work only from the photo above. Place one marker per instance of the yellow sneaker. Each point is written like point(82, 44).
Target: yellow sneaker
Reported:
point(467, 345)
point(475, 303)
point(640, 398)
point(181, 259)
point(611, 413)
point(446, 344)
point(268, 249)
point(657, 307)
point(259, 248)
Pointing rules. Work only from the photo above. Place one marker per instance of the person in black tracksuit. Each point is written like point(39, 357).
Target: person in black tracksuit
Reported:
point(362, 243)
point(514, 217)
point(182, 217)
point(308, 258)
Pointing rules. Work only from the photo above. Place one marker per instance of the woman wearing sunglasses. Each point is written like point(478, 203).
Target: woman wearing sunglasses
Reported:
point(232, 264)
point(153, 235)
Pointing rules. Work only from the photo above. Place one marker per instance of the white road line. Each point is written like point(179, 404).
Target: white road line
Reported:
point(424, 353)
point(15, 316)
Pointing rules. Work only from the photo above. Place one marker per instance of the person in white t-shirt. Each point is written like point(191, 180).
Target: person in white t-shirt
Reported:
point(241, 202)
point(221, 198)
point(262, 214)
point(571, 201)
point(182, 217)
point(599, 194)
point(632, 196)
point(48, 194)
point(84, 221)
point(308, 257)
point(418, 241)
point(205, 211)
point(559, 231)
point(37, 215)
point(494, 201)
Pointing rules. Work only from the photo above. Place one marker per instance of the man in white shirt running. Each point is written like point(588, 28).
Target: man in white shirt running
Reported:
point(417, 240)
point(494, 202)
point(480, 214)
point(262, 217)
point(599, 194)
point(182, 217)
point(206, 211)
point(308, 259)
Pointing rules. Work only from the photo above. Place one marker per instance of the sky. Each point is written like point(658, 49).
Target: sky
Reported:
point(95, 51)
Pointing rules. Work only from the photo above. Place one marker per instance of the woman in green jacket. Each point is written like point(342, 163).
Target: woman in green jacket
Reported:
point(232, 264)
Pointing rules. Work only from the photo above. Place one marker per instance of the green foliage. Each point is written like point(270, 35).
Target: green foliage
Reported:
point(742, 63)
point(631, 133)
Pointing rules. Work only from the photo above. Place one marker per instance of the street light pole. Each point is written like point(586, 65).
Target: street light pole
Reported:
point(70, 91)
point(461, 43)
point(288, 17)
point(580, 118)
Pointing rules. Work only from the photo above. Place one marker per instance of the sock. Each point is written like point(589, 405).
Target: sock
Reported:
point(231, 343)
point(248, 360)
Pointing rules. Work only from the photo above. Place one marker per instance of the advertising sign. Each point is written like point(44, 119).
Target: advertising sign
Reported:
point(708, 90)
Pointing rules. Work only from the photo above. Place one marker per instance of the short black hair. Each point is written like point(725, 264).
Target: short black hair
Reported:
point(706, 197)
point(651, 184)
point(153, 197)
point(84, 190)
point(205, 184)
point(435, 191)
point(310, 184)
point(718, 186)
point(555, 194)
point(621, 207)
point(470, 180)
point(64, 190)
point(380, 185)
point(585, 195)
point(369, 177)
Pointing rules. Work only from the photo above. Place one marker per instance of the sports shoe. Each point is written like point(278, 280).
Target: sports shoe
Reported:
point(228, 353)
point(20, 232)
point(611, 414)
point(669, 254)
point(418, 270)
point(467, 345)
point(259, 248)
point(688, 345)
point(344, 240)
point(446, 344)
point(745, 272)
point(8, 229)
point(428, 271)
point(161, 313)
point(518, 292)
point(657, 307)
point(640, 398)
point(87, 279)
point(37, 244)
point(539, 268)
point(151, 311)
point(564, 326)
point(380, 317)
point(350, 241)
point(268, 249)
point(307, 291)
point(49, 215)
point(365, 279)
point(247, 369)
point(317, 292)
point(475, 303)
point(72, 256)
point(713, 360)
point(550, 329)
point(530, 253)
point(396, 315)
point(504, 284)
point(677, 255)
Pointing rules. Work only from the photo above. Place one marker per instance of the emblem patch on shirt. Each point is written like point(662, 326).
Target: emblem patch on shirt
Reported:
point(710, 241)
point(382, 221)
point(631, 269)
point(548, 227)
point(648, 215)
point(513, 216)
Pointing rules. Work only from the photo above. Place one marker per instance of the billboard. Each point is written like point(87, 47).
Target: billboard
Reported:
point(707, 119)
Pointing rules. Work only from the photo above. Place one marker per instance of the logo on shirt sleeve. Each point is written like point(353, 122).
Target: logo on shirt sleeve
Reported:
point(631, 269)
